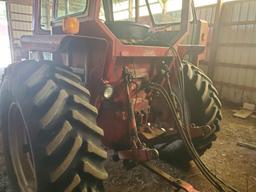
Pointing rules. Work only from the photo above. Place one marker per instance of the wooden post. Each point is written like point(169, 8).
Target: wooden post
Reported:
point(215, 38)
point(137, 10)
point(130, 9)
point(10, 31)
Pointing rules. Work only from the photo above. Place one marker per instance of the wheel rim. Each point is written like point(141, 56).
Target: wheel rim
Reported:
point(21, 152)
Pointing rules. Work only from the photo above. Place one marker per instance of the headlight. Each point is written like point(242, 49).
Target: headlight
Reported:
point(108, 92)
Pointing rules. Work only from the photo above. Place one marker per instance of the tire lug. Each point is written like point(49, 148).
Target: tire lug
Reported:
point(26, 148)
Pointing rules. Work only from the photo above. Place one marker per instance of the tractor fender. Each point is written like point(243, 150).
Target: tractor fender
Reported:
point(57, 43)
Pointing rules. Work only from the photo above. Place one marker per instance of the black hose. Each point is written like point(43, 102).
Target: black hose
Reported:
point(183, 107)
point(188, 143)
point(215, 181)
point(179, 122)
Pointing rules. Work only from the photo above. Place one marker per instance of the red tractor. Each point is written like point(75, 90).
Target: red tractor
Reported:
point(105, 75)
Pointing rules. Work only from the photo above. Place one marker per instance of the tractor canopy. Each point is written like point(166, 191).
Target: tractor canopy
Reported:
point(136, 22)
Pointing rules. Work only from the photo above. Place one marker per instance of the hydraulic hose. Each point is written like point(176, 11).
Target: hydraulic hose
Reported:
point(180, 121)
point(215, 181)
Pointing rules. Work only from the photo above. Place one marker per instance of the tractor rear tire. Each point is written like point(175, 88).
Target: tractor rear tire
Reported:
point(204, 109)
point(51, 140)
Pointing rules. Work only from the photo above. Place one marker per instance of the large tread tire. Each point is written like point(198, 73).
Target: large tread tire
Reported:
point(66, 140)
point(204, 103)
point(205, 109)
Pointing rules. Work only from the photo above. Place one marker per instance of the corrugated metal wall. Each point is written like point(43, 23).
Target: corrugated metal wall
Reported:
point(235, 67)
point(20, 23)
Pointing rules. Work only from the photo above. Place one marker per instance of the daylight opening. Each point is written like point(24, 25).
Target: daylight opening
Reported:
point(5, 53)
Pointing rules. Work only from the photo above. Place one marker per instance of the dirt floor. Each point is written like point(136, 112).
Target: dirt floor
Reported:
point(234, 164)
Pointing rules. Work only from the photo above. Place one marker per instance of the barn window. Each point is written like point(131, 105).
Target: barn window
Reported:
point(70, 7)
point(199, 3)
point(4, 38)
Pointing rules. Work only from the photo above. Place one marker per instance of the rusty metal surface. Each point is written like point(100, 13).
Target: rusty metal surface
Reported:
point(149, 133)
point(138, 155)
point(178, 183)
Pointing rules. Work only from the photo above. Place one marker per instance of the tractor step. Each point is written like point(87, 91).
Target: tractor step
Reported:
point(177, 183)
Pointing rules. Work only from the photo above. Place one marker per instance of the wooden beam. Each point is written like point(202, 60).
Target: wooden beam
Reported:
point(130, 8)
point(232, 85)
point(237, 44)
point(233, 65)
point(19, 13)
point(247, 145)
point(16, 39)
point(21, 21)
point(8, 10)
point(23, 2)
point(22, 30)
point(137, 10)
point(215, 38)
point(239, 23)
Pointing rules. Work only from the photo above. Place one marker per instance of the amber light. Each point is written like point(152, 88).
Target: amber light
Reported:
point(71, 25)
